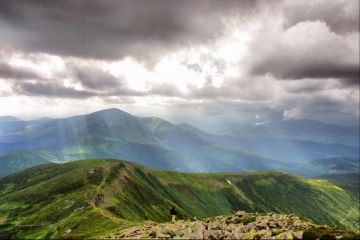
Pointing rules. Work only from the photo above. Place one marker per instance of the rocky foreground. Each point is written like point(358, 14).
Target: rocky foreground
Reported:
point(241, 225)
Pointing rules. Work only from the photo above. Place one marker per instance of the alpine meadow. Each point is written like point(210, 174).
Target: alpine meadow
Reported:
point(179, 119)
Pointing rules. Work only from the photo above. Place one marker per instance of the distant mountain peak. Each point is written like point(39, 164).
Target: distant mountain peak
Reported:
point(9, 119)
point(111, 112)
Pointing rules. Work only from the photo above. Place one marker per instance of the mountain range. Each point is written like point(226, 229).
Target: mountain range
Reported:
point(157, 143)
point(303, 130)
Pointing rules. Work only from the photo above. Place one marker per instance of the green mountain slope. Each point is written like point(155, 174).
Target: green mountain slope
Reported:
point(100, 197)
point(336, 165)
point(346, 177)
point(18, 160)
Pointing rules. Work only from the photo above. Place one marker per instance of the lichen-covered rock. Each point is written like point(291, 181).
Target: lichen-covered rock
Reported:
point(240, 213)
point(241, 225)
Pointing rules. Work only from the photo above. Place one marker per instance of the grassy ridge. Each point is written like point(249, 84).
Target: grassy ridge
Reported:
point(97, 197)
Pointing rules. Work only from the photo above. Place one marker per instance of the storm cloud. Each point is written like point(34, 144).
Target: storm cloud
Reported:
point(113, 29)
point(50, 90)
point(294, 59)
point(342, 16)
point(309, 50)
point(10, 72)
point(95, 78)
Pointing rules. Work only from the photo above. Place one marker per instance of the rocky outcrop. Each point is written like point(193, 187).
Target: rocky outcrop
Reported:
point(241, 225)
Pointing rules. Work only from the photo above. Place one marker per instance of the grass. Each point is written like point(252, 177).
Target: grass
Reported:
point(327, 233)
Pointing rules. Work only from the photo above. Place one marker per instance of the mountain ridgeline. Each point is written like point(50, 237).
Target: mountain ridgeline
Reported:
point(306, 130)
point(157, 143)
point(100, 197)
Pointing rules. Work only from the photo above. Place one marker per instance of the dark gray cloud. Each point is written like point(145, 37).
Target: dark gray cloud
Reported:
point(95, 78)
point(49, 89)
point(324, 108)
point(54, 89)
point(352, 81)
point(115, 29)
point(342, 16)
point(312, 86)
point(308, 50)
point(95, 81)
point(307, 68)
point(10, 72)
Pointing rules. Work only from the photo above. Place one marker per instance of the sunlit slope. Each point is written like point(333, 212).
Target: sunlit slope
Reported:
point(96, 197)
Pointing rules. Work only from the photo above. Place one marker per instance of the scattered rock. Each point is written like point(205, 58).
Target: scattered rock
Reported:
point(68, 204)
point(240, 213)
point(241, 225)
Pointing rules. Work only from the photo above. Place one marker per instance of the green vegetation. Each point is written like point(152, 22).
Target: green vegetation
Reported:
point(98, 197)
point(346, 177)
point(327, 233)
point(22, 159)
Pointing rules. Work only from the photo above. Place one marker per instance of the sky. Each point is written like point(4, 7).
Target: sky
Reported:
point(199, 62)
